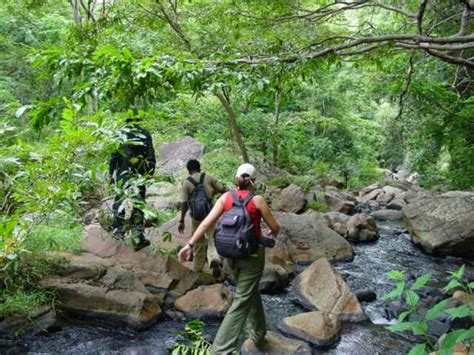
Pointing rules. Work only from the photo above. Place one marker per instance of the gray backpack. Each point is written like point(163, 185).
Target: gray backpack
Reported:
point(235, 235)
point(199, 204)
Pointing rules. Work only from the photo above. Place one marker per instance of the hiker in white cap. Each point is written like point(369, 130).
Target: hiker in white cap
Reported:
point(247, 304)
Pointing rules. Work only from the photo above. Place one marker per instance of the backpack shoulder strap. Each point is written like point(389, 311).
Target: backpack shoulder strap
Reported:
point(201, 178)
point(192, 181)
point(248, 198)
point(235, 199)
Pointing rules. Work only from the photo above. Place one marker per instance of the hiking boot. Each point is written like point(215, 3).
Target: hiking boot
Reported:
point(216, 268)
point(143, 243)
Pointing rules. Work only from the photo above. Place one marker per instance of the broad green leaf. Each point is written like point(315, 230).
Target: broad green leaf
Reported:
point(459, 274)
point(421, 281)
point(412, 298)
point(396, 292)
point(402, 316)
point(436, 310)
point(398, 275)
point(417, 328)
point(452, 284)
point(471, 285)
point(419, 349)
point(460, 312)
point(456, 336)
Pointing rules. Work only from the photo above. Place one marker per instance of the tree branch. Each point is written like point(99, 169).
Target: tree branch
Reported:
point(405, 89)
point(419, 16)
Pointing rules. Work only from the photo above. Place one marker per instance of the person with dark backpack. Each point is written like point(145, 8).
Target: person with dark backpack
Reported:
point(239, 241)
point(197, 192)
point(133, 160)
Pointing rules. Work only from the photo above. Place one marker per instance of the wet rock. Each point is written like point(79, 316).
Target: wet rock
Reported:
point(205, 302)
point(370, 188)
point(372, 195)
point(291, 199)
point(321, 287)
point(436, 328)
point(339, 203)
point(384, 197)
point(387, 215)
point(397, 204)
point(37, 322)
point(277, 344)
point(444, 224)
point(174, 155)
point(274, 280)
point(362, 228)
point(307, 238)
point(365, 295)
point(337, 222)
point(464, 298)
point(320, 329)
point(97, 301)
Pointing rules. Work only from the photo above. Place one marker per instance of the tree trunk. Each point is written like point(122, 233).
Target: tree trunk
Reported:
point(76, 9)
point(225, 101)
point(275, 133)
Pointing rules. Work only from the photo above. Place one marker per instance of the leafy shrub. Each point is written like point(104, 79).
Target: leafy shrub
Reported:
point(318, 206)
point(279, 181)
point(419, 326)
point(192, 340)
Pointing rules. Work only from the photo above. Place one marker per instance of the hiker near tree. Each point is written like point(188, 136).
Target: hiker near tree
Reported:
point(133, 160)
point(247, 303)
point(197, 192)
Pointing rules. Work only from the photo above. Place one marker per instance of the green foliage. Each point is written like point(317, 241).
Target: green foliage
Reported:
point(193, 342)
point(23, 303)
point(420, 325)
point(318, 206)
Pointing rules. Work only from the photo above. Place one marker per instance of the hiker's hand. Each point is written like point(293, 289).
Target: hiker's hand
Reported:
point(185, 253)
point(181, 226)
point(272, 234)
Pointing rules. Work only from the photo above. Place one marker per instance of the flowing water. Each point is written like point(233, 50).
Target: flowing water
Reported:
point(393, 251)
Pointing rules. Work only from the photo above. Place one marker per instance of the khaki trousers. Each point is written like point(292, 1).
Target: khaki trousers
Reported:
point(246, 306)
point(205, 247)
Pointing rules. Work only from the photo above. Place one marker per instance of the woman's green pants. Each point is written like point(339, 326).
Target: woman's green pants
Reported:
point(246, 306)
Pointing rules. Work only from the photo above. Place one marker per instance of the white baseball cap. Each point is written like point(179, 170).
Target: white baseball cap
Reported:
point(246, 168)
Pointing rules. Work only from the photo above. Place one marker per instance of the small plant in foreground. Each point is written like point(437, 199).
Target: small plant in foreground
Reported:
point(419, 326)
point(193, 340)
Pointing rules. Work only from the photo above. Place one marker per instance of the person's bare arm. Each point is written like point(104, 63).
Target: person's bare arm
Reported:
point(267, 216)
point(184, 209)
point(186, 251)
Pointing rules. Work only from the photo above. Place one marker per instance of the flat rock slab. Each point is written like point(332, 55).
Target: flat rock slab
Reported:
point(136, 309)
point(276, 344)
point(320, 287)
point(205, 302)
point(320, 329)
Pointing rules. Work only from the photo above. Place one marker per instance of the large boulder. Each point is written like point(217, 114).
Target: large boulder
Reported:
point(118, 296)
point(320, 329)
point(307, 238)
point(173, 156)
point(291, 199)
point(372, 195)
point(444, 224)
point(339, 203)
point(155, 270)
point(320, 287)
point(362, 228)
point(205, 302)
point(162, 196)
point(276, 344)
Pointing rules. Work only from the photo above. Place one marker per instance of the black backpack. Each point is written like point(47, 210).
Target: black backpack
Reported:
point(135, 150)
point(235, 235)
point(199, 204)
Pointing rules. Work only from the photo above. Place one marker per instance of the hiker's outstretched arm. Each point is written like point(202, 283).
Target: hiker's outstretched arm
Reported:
point(262, 206)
